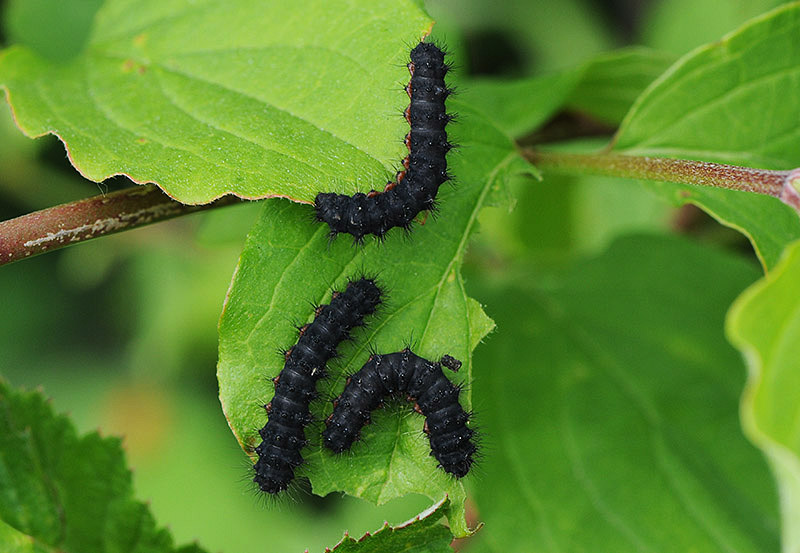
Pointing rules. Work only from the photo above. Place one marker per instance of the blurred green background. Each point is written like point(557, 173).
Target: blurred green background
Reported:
point(121, 331)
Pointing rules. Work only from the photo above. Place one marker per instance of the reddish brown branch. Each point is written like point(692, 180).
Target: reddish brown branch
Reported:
point(62, 225)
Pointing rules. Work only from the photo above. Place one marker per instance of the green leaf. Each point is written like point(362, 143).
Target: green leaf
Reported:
point(288, 262)
point(763, 220)
point(534, 35)
point(64, 493)
point(18, 542)
point(764, 323)
point(611, 82)
point(55, 30)
point(519, 106)
point(604, 87)
point(206, 98)
point(609, 400)
point(679, 25)
point(418, 535)
point(734, 101)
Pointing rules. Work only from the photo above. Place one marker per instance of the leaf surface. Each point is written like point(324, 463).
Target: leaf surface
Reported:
point(764, 324)
point(207, 98)
point(604, 87)
point(611, 82)
point(421, 534)
point(67, 493)
point(608, 398)
point(679, 25)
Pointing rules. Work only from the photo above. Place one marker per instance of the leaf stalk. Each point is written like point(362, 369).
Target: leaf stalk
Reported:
point(784, 185)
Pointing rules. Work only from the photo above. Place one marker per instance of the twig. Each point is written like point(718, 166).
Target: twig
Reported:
point(62, 225)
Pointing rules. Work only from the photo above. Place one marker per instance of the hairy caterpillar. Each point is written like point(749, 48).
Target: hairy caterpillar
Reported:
point(283, 437)
point(424, 383)
point(424, 169)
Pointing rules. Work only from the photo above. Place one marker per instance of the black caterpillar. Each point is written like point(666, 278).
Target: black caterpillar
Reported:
point(305, 363)
point(424, 169)
point(425, 383)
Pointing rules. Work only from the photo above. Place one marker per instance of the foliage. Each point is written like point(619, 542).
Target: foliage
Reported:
point(50, 503)
point(630, 399)
point(730, 102)
point(763, 324)
point(606, 397)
